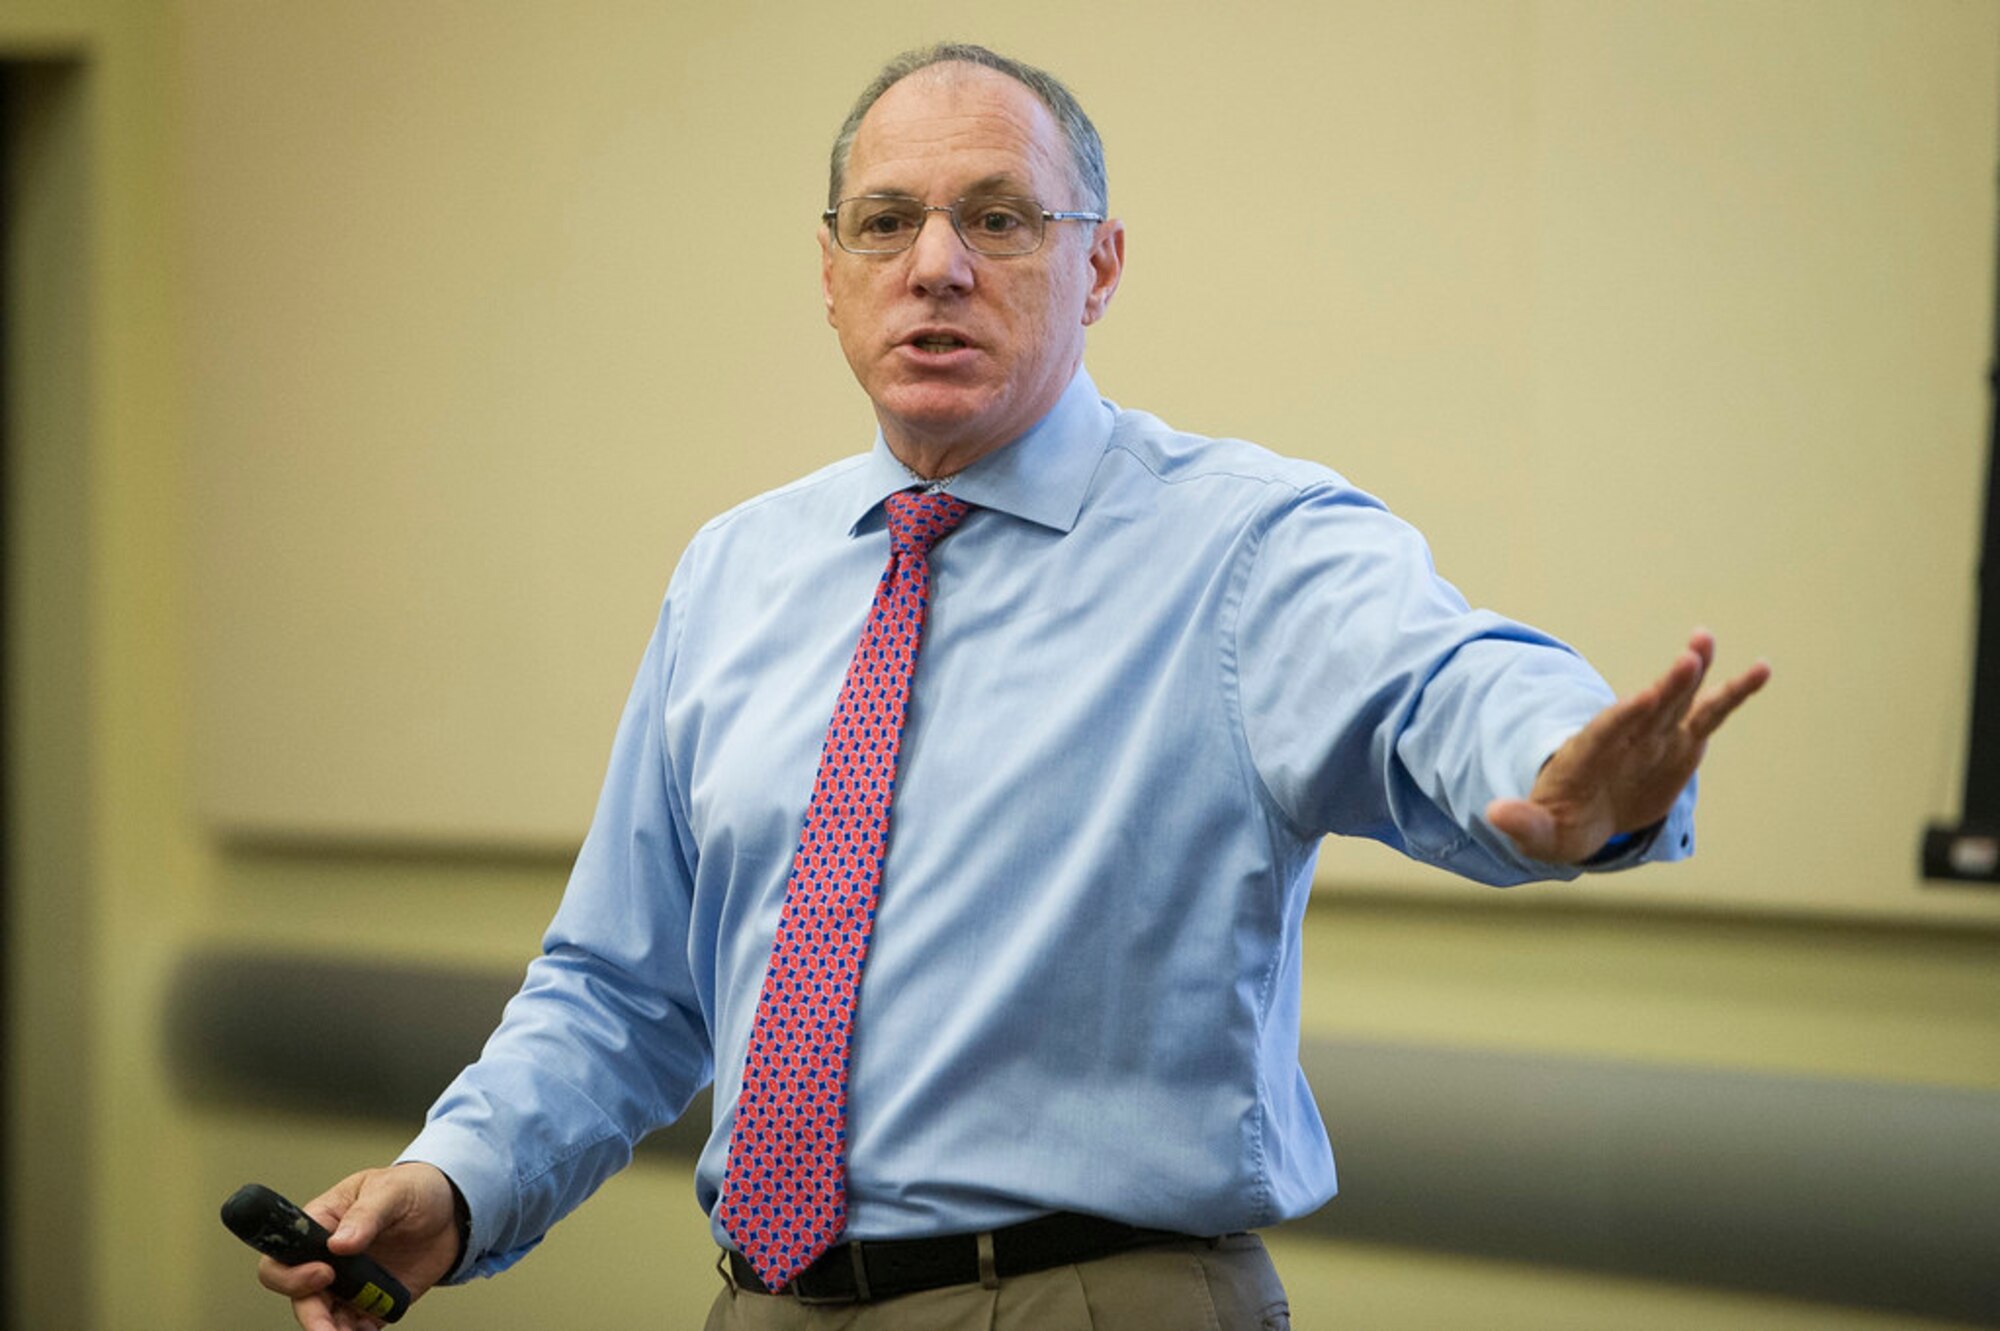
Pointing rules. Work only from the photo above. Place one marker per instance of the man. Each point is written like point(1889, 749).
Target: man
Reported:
point(1155, 670)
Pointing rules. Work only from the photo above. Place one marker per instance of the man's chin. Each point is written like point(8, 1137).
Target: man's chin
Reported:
point(937, 420)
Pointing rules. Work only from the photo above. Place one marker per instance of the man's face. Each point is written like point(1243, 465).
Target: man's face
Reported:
point(962, 353)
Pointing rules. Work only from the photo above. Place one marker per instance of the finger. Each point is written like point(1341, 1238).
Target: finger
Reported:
point(1682, 682)
point(293, 1282)
point(1666, 702)
point(1702, 643)
point(322, 1312)
point(1708, 717)
point(1717, 707)
point(1656, 708)
point(325, 1315)
point(316, 1314)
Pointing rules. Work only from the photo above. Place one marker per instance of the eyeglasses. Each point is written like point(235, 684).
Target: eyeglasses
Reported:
point(1000, 225)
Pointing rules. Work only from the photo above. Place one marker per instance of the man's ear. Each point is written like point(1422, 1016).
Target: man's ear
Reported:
point(1107, 263)
point(826, 273)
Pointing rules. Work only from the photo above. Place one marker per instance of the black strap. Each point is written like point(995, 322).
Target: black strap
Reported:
point(865, 1271)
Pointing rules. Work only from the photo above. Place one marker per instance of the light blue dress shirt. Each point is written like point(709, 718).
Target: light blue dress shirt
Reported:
point(1158, 669)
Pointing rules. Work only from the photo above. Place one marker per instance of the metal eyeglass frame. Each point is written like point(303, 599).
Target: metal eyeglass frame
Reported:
point(950, 210)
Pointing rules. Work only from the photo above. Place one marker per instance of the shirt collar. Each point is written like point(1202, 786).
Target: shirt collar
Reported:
point(1042, 476)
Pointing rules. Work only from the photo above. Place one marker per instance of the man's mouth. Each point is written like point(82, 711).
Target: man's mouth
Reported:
point(938, 343)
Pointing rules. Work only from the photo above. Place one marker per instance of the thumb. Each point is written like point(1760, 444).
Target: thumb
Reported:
point(373, 1209)
point(1528, 825)
point(357, 1230)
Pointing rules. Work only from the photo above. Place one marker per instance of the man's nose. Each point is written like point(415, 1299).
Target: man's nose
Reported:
point(939, 260)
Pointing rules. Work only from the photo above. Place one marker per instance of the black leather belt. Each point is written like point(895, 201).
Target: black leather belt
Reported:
point(866, 1270)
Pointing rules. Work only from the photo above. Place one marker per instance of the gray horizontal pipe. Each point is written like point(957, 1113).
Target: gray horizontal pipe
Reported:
point(1876, 1195)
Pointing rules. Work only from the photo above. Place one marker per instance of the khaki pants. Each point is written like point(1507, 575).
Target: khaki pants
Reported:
point(1199, 1285)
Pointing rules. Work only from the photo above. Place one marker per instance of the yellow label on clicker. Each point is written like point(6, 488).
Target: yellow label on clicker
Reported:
point(374, 1301)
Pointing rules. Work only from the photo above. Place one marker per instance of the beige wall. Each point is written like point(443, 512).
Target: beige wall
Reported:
point(1649, 313)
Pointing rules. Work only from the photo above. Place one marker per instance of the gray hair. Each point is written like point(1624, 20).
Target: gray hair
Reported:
point(1086, 150)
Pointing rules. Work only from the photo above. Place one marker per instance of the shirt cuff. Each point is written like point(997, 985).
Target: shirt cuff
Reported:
point(487, 1191)
point(1672, 838)
point(1623, 846)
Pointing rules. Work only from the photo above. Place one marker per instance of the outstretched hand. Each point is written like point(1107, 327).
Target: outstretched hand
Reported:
point(404, 1217)
point(1623, 771)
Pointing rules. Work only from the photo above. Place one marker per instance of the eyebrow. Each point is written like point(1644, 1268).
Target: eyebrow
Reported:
point(997, 184)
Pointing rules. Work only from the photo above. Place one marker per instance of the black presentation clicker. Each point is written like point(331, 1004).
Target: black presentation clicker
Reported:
point(281, 1231)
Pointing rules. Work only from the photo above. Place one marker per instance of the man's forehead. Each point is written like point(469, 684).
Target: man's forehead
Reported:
point(976, 123)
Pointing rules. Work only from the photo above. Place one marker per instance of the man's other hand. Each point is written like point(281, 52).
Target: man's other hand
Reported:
point(1623, 771)
point(404, 1217)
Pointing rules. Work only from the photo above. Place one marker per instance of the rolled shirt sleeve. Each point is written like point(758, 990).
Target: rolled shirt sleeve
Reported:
point(1377, 703)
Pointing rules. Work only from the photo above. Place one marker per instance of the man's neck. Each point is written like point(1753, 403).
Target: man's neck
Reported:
point(936, 462)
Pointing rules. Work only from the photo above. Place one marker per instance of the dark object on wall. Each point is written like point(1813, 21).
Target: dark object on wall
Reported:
point(1970, 851)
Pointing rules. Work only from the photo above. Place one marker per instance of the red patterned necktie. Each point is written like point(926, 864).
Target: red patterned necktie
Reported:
point(784, 1200)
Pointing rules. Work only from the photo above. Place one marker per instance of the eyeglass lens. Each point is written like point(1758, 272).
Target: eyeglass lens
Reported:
point(990, 224)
